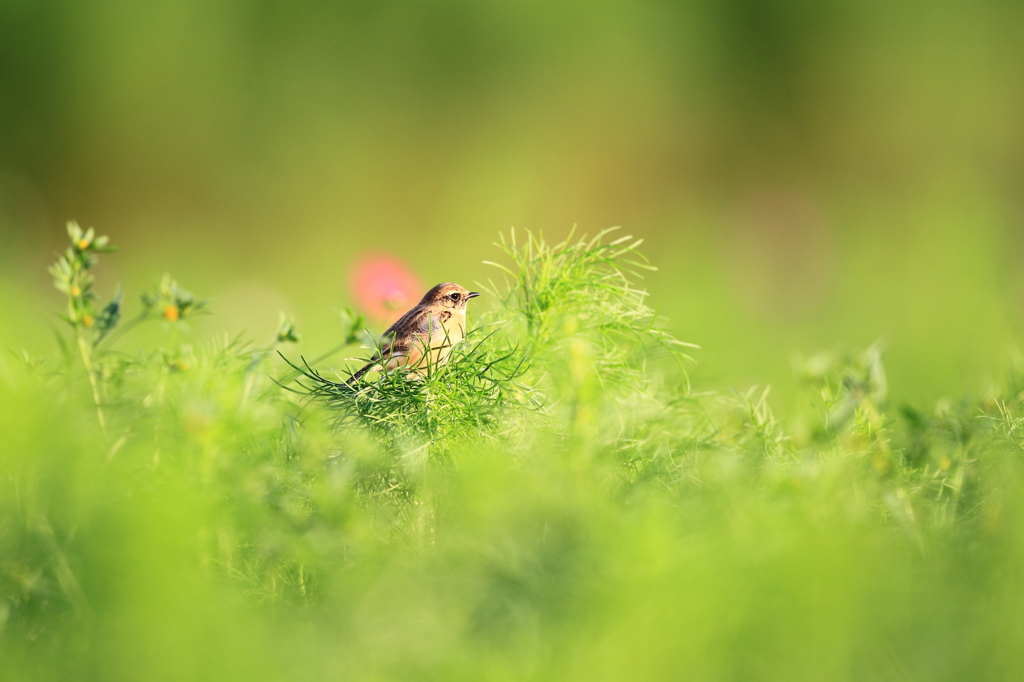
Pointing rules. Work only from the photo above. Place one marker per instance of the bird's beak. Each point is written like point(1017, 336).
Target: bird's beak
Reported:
point(473, 294)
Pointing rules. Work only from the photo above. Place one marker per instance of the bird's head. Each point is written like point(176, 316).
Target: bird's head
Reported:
point(448, 295)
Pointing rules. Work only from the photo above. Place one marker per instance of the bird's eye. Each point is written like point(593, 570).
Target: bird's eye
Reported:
point(456, 296)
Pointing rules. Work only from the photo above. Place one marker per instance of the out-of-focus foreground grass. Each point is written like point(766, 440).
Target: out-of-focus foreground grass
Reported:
point(593, 516)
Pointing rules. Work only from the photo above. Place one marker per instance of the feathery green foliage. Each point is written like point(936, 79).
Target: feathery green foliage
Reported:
point(555, 502)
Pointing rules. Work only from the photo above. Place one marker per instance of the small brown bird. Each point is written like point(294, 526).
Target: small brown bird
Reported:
point(422, 339)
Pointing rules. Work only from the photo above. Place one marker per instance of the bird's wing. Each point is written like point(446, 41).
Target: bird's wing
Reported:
point(418, 322)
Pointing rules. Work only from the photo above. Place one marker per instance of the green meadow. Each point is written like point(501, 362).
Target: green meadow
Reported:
point(560, 501)
point(780, 438)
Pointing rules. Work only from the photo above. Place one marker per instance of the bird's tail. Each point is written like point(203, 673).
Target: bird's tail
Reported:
point(355, 377)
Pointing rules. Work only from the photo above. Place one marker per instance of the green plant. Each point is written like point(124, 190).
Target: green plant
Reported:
point(555, 502)
point(72, 276)
point(94, 332)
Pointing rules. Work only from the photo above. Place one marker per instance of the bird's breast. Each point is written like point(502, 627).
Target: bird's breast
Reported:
point(433, 348)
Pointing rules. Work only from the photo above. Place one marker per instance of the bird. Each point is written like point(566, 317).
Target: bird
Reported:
point(422, 339)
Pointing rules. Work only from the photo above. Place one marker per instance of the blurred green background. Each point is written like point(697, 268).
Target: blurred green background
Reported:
point(807, 175)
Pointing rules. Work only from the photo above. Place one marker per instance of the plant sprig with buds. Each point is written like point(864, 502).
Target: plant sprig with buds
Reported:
point(72, 276)
point(171, 301)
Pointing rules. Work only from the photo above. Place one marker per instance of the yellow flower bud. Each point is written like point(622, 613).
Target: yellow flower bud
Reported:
point(87, 320)
point(171, 312)
point(83, 244)
point(75, 291)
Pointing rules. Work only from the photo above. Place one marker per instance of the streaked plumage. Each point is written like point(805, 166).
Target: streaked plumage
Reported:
point(424, 336)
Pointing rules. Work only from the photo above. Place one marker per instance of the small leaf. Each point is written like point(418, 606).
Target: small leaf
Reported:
point(286, 330)
point(109, 317)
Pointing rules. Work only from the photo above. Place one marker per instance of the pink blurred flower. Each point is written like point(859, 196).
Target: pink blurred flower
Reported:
point(384, 287)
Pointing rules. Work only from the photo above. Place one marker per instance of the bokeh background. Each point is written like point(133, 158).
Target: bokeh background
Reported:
point(807, 175)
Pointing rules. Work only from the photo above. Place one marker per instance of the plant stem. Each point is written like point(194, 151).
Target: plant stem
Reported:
point(83, 347)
